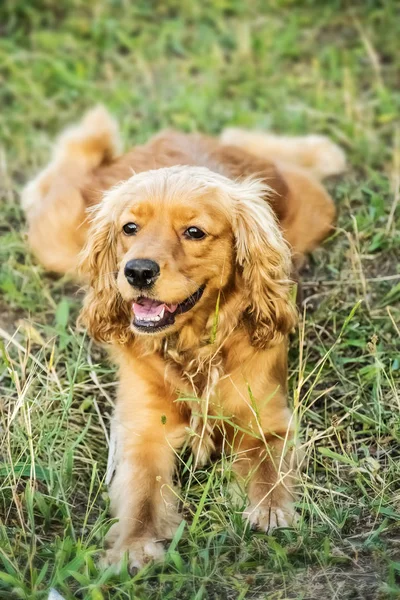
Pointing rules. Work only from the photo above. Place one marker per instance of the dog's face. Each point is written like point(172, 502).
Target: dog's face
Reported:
point(165, 244)
point(174, 252)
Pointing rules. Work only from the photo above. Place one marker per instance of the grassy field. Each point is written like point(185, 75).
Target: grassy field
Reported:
point(293, 67)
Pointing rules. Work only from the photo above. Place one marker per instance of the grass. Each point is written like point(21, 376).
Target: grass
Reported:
point(291, 66)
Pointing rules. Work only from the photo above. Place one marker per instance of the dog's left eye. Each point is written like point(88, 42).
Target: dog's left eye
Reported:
point(130, 228)
point(194, 233)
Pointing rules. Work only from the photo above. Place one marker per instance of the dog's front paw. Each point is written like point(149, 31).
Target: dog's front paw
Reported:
point(268, 518)
point(139, 553)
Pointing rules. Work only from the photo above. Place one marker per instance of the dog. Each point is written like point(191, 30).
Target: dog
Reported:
point(187, 245)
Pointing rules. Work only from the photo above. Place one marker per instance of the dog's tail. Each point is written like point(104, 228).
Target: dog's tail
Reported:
point(315, 153)
point(53, 203)
point(78, 151)
point(90, 143)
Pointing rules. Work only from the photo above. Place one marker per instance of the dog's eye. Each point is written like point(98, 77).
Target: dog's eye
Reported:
point(194, 233)
point(130, 228)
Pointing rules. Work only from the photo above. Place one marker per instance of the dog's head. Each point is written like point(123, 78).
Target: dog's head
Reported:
point(165, 244)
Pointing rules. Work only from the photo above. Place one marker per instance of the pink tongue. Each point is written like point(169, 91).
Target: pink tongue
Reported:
point(151, 308)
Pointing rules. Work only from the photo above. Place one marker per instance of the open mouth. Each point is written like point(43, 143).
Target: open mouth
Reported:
point(152, 315)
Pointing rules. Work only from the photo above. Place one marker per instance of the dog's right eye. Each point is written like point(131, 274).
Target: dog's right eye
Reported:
point(130, 228)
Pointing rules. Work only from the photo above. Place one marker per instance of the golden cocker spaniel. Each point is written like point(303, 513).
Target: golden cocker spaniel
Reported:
point(188, 251)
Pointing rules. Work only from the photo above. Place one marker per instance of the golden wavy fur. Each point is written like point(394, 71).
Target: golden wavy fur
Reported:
point(224, 300)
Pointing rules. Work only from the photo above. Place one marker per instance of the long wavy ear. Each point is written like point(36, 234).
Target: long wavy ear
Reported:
point(104, 313)
point(265, 264)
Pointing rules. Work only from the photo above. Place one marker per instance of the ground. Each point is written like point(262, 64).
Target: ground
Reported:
point(292, 67)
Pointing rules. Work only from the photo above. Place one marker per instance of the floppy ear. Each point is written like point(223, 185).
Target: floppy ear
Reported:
point(104, 313)
point(265, 264)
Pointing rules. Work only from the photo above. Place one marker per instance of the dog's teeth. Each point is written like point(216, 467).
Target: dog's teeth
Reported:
point(150, 319)
point(160, 316)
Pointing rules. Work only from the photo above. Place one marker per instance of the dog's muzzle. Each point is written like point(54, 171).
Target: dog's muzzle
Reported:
point(150, 315)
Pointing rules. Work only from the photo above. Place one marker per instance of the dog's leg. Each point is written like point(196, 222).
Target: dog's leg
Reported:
point(150, 429)
point(316, 154)
point(305, 210)
point(53, 203)
point(267, 470)
point(265, 456)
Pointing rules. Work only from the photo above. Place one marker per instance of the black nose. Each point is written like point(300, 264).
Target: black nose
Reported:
point(141, 272)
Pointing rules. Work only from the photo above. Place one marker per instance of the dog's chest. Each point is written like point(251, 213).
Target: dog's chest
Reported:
point(200, 375)
point(199, 371)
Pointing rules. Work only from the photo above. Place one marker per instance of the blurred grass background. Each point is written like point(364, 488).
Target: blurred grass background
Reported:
point(293, 67)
